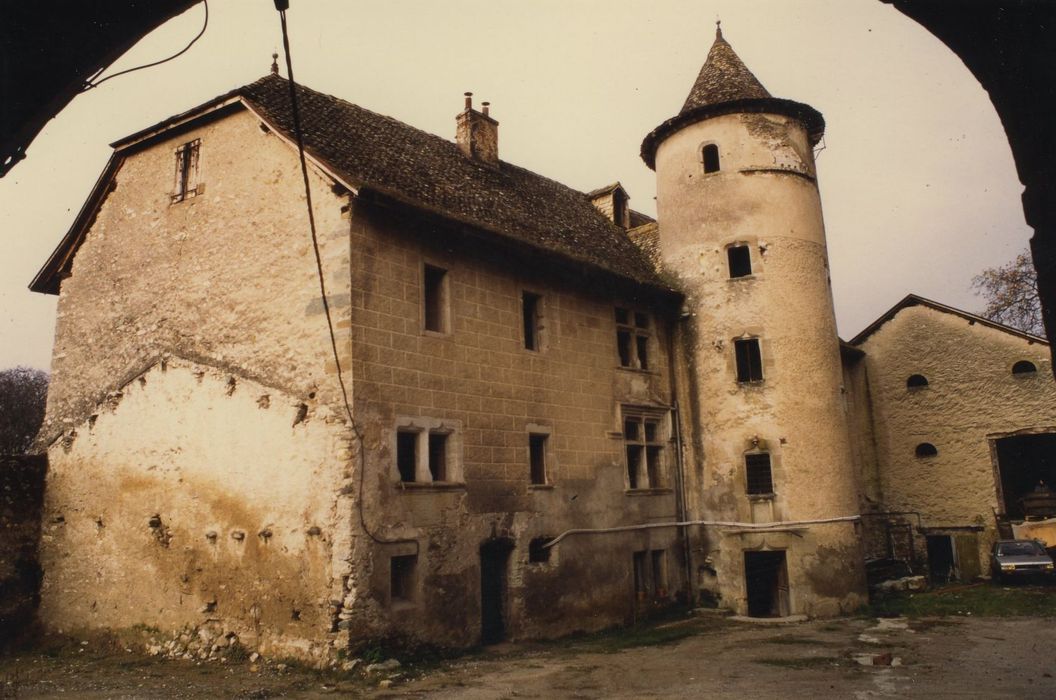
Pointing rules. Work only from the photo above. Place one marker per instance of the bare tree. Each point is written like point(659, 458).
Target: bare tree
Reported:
point(1011, 294)
point(23, 392)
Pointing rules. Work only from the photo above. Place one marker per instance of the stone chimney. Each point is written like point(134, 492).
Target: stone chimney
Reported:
point(477, 134)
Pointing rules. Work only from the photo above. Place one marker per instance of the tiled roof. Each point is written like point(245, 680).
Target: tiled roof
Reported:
point(723, 78)
point(379, 153)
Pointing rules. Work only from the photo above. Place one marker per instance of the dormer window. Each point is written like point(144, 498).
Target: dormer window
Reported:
point(186, 184)
point(710, 156)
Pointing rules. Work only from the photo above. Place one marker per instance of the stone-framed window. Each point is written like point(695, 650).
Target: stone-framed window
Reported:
point(739, 258)
point(649, 571)
point(749, 359)
point(759, 476)
point(427, 451)
point(186, 183)
point(633, 338)
point(644, 439)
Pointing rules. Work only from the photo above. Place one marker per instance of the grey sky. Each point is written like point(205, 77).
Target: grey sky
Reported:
point(917, 179)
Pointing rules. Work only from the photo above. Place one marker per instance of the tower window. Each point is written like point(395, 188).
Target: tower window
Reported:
point(1024, 367)
point(632, 338)
point(710, 155)
point(740, 259)
point(926, 449)
point(530, 304)
point(916, 381)
point(759, 474)
point(434, 298)
point(749, 360)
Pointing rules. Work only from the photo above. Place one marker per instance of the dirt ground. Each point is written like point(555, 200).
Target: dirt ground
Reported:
point(703, 655)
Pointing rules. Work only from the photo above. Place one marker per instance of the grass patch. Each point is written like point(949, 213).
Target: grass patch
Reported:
point(984, 600)
point(800, 663)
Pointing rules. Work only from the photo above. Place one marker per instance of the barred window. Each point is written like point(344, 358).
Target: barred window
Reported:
point(759, 474)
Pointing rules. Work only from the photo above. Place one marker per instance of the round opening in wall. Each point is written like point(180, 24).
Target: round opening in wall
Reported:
point(926, 449)
point(916, 381)
point(1024, 367)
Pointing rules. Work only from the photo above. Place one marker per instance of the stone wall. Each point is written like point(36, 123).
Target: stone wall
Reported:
point(198, 445)
point(971, 398)
point(479, 381)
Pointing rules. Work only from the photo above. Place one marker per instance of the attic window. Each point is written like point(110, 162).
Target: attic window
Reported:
point(186, 184)
point(1024, 367)
point(916, 381)
point(740, 259)
point(710, 155)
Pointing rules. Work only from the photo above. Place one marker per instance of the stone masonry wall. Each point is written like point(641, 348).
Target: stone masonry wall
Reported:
point(479, 380)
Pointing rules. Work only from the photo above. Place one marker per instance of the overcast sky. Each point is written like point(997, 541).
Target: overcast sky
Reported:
point(917, 179)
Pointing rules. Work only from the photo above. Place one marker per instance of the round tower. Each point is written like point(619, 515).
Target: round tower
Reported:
point(741, 228)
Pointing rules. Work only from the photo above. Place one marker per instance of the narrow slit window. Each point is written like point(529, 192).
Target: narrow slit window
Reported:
point(740, 260)
point(186, 184)
point(749, 360)
point(530, 312)
point(659, 572)
point(402, 577)
point(435, 299)
point(407, 455)
point(641, 574)
point(537, 457)
point(759, 473)
point(711, 158)
point(438, 456)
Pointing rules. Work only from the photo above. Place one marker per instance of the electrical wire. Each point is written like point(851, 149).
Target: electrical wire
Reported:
point(299, 133)
point(93, 83)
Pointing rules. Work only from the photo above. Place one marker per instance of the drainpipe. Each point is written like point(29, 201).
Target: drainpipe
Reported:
point(680, 471)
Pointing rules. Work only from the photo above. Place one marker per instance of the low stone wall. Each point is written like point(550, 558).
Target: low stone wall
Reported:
point(21, 497)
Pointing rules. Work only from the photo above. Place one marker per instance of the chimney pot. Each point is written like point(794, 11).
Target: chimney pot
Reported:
point(485, 105)
point(469, 100)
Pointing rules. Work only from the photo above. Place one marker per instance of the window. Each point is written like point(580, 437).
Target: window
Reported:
point(749, 360)
point(632, 338)
point(1024, 367)
point(186, 184)
point(926, 449)
point(427, 451)
point(740, 259)
point(659, 566)
point(538, 553)
point(645, 451)
point(537, 457)
point(407, 455)
point(759, 475)
point(916, 381)
point(710, 155)
point(402, 577)
point(530, 311)
point(438, 456)
point(435, 299)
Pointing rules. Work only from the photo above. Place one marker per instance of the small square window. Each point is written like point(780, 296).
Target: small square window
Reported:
point(435, 299)
point(749, 360)
point(740, 259)
point(407, 455)
point(402, 570)
point(537, 457)
point(438, 456)
point(760, 478)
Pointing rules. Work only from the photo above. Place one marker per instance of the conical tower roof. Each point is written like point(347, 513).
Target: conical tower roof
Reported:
point(723, 78)
point(726, 86)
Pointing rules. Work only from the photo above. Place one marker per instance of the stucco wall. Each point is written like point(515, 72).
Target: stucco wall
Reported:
point(223, 288)
point(479, 379)
point(763, 196)
point(971, 398)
